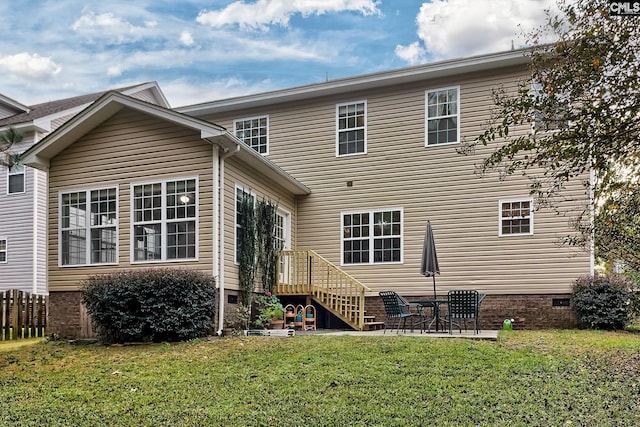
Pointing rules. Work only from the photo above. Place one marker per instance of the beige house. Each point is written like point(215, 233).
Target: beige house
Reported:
point(374, 157)
point(23, 206)
point(162, 187)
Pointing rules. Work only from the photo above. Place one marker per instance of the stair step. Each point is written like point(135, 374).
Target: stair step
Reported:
point(373, 326)
point(368, 319)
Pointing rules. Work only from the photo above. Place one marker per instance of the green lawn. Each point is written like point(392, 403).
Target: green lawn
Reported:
point(554, 378)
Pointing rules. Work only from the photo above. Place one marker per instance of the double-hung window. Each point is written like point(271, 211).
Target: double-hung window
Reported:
point(516, 217)
point(3, 250)
point(443, 124)
point(254, 132)
point(351, 128)
point(88, 227)
point(372, 237)
point(165, 219)
point(15, 179)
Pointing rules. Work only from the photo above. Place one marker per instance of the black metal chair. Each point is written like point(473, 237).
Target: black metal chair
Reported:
point(397, 309)
point(463, 305)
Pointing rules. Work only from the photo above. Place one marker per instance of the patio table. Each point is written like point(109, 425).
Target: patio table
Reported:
point(435, 305)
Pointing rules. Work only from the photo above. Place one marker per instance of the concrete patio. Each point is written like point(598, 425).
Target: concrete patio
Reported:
point(482, 335)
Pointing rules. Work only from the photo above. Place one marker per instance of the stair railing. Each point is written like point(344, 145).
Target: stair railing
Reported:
point(308, 273)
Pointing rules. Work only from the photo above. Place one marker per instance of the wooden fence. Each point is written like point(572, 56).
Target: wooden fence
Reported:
point(22, 315)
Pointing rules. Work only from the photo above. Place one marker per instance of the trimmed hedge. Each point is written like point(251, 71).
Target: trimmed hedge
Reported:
point(602, 302)
point(151, 305)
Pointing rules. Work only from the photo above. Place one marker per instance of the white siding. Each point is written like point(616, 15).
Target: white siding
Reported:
point(40, 232)
point(16, 225)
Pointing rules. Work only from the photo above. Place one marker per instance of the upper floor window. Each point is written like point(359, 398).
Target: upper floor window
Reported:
point(516, 217)
point(15, 179)
point(254, 132)
point(3, 250)
point(351, 128)
point(443, 124)
point(553, 110)
point(372, 237)
point(88, 227)
point(164, 220)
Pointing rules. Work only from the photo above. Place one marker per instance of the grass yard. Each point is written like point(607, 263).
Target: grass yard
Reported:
point(555, 378)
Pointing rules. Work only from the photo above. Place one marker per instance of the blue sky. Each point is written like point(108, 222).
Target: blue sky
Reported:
point(204, 50)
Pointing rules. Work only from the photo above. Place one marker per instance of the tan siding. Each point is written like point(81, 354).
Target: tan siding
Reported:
point(434, 183)
point(237, 174)
point(130, 147)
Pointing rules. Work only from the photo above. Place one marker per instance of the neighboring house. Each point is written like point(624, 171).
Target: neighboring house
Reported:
point(23, 205)
point(374, 157)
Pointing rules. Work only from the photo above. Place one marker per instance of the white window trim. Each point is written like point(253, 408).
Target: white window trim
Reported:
point(287, 227)
point(338, 130)
point(426, 116)
point(88, 226)
point(371, 212)
point(163, 221)
point(531, 221)
point(235, 216)
point(24, 180)
point(264, 116)
point(6, 250)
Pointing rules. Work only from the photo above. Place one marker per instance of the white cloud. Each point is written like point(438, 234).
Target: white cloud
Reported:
point(110, 28)
point(186, 38)
point(263, 13)
point(413, 53)
point(114, 70)
point(29, 66)
point(457, 28)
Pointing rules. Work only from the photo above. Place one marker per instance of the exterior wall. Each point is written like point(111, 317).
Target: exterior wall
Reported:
point(429, 183)
point(16, 226)
point(130, 147)
point(263, 188)
point(527, 311)
point(39, 232)
point(145, 95)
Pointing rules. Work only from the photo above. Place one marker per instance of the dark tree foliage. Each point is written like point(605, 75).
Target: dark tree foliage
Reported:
point(151, 305)
point(583, 97)
point(602, 302)
point(8, 139)
point(267, 243)
point(247, 246)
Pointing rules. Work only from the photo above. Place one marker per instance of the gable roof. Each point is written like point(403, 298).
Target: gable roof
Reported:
point(29, 114)
point(40, 154)
point(450, 67)
point(12, 104)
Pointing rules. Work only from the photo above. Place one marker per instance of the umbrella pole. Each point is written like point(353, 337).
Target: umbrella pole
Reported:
point(435, 296)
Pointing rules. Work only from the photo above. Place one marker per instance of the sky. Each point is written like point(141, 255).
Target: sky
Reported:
point(202, 51)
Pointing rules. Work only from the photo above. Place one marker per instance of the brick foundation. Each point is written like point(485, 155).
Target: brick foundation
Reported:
point(528, 311)
point(65, 318)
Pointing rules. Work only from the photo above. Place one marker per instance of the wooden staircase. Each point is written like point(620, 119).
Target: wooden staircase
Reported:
point(305, 273)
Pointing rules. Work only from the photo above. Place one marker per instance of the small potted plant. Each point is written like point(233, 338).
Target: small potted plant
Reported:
point(270, 312)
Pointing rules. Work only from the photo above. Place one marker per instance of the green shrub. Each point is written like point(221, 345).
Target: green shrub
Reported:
point(602, 302)
point(151, 305)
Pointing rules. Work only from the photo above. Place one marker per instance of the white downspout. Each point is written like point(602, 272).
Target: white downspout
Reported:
point(220, 258)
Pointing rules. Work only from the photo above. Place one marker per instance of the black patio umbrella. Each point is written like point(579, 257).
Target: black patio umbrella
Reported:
point(430, 267)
